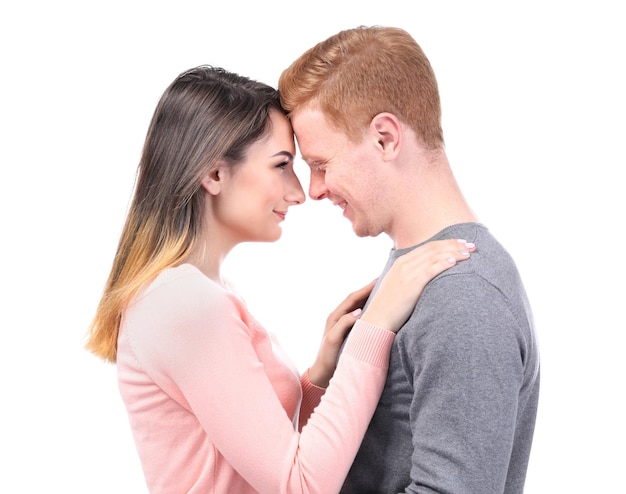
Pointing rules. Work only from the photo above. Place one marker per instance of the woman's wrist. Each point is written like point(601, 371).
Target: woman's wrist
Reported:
point(319, 376)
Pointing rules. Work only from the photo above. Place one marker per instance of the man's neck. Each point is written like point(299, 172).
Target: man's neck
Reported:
point(423, 211)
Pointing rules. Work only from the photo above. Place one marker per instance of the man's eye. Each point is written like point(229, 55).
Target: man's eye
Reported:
point(318, 167)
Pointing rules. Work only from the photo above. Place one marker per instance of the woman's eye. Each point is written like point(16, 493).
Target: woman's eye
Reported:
point(282, 165)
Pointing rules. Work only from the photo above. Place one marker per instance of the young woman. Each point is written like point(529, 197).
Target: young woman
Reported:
point(214, 405)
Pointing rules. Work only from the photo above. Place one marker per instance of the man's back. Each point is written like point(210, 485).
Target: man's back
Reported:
point(458, 411)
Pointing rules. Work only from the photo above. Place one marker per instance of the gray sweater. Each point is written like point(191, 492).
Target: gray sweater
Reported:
point(458, 410)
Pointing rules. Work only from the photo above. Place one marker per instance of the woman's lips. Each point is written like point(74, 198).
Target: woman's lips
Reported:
point(281, 214)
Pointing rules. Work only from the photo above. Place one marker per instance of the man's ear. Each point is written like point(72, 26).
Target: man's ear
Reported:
point(212, 181)
point(387, 131)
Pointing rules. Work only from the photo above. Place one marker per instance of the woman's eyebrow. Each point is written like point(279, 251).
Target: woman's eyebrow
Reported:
point(284, 153)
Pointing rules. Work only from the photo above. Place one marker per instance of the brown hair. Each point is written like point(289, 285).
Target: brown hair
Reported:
point(206, 115)
point(358, 73)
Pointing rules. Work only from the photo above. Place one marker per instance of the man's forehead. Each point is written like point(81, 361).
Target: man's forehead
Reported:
point(315, 136)
point(308, 120)
point(311, 147)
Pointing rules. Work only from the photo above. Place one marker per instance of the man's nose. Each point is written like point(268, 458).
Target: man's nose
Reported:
point(317, 187)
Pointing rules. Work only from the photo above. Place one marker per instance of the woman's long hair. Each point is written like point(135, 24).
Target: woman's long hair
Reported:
point(206, 115)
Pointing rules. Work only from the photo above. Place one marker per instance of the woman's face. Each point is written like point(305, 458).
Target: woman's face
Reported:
point(254, 196)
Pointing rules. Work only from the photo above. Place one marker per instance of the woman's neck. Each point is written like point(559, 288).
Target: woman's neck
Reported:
point(208, 259)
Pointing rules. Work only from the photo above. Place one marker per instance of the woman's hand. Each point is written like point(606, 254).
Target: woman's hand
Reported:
point(393, 302)
point(338, 324)
point(395, 299)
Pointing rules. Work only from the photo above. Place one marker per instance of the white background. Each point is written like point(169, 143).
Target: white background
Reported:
point(534, 120)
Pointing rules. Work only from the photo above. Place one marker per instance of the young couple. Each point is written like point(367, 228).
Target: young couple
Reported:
point(430, 386)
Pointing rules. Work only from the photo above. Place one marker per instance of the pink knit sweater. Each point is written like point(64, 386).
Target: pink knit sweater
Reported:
point(214, 404)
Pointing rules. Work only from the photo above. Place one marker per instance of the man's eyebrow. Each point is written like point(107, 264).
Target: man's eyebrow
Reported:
point(308, 159)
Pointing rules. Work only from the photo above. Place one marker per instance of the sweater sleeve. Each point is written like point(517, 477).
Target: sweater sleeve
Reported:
point(311, 396)
point(466, 371)
point(201, 344)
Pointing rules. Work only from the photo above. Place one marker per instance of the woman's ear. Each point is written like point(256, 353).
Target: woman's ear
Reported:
point(387, 131)
point(212, 180)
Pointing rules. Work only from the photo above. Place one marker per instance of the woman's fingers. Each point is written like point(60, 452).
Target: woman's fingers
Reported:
point(354, 300)
point(403, 284)
point(431, 259)
point(324, 366)
point(337, 332)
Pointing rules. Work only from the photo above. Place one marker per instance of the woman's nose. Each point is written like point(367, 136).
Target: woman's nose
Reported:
point(295, 193)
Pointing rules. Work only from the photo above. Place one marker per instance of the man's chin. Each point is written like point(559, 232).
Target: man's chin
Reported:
point(359, 231)
point(363, 231)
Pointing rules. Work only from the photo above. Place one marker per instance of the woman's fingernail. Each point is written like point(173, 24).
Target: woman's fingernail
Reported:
point(357, 312)
point(469, 245)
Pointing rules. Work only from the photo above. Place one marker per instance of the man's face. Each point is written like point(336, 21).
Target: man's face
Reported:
point(346, 173)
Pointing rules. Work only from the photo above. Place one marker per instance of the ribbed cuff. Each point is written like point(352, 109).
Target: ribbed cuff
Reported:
point(370, 343)
point(311, 397)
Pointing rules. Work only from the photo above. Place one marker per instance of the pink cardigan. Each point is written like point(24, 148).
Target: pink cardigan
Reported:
point(214, 404)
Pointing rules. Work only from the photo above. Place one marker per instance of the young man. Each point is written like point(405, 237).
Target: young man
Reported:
point(458, 411)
